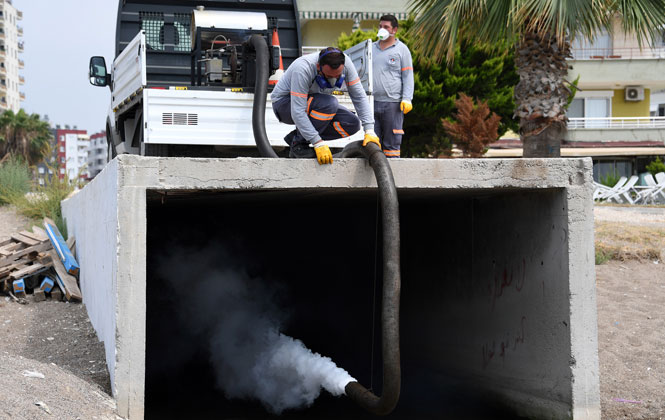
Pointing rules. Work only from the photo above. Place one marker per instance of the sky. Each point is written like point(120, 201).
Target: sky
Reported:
point(60, 37)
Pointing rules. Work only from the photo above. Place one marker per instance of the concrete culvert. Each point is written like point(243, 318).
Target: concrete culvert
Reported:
point(497, 303)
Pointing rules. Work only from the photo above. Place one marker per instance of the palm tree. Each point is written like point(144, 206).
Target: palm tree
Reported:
point(25, 136)
point(544, 30)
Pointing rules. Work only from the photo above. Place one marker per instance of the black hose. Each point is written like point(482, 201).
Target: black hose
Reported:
point(260, 94)
point(391, 284)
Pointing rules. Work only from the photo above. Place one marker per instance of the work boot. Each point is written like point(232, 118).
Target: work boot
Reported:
point(289, 137)
point(301, 150)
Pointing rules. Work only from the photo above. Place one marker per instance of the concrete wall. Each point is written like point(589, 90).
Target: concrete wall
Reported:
point(522, 302)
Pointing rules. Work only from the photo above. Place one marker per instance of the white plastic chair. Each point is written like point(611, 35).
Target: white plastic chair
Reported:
point(658, 191)
point(624, 192)
point(602, 195)
point(644, 192)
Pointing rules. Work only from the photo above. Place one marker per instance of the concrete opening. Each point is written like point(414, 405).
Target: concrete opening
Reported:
point(485, 306)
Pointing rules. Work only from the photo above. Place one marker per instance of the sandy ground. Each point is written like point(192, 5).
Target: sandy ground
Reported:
point(56, 340)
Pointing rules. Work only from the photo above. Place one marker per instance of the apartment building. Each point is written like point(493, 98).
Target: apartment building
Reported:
point(71, 153)
point(97, 153)
point(11, 47)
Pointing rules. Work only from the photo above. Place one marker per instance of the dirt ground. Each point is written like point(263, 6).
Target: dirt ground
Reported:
point(56, 340)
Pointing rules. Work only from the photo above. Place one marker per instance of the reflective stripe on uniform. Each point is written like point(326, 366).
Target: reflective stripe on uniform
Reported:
point(353, 82)
point(321, 116)
point(309, 102)
point(339, 129)
point(302, 95)
point(407, 68)
point(396, 131)
point(391, 153)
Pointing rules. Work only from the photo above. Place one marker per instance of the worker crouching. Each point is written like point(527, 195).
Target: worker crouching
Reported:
point(303, 96)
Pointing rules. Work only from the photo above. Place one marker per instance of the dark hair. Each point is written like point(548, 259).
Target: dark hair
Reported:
point(390, 18)
point(332, 57)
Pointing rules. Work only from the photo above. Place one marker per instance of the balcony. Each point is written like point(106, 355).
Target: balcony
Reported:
point(21, 64)
point(617, 122)
point(21, 80)
point(19, 15)
point(616, 69)
point(22, 95)
point(618, 53)
point(3, 86)
point(617, 129)
point(3, 70)
point(2, 34)
point(20, 47)
point(20, 30)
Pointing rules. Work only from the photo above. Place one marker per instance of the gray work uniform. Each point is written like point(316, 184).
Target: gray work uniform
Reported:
point(393, 83)
point(298, 92)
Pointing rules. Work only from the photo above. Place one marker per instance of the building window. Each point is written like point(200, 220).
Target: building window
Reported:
point(611, 167)
point(590, 108)
point(41, 170)
point(62, 160)
point(62, 171)
point(62, 149)
point(153, 25)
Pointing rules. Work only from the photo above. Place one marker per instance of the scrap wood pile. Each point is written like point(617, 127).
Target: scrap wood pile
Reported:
point(40, 262)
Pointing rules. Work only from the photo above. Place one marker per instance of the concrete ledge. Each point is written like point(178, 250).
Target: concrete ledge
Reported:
point(553, 318)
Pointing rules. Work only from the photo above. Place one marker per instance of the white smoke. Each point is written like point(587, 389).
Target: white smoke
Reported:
point(239, 316)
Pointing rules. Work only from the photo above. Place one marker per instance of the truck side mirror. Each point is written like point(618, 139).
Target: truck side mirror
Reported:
point(97, 73)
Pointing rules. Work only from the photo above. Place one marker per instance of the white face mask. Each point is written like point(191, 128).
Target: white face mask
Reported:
point(383, 34)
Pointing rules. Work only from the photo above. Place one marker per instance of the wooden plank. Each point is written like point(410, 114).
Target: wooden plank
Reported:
point(20, 238)
point(11, 248)
point(39, 231)
point(71, 244)
point(41, 247)
point(65, 255)
point(66, 281)
point(33, 236)
point(28, 271)
point(5, 240)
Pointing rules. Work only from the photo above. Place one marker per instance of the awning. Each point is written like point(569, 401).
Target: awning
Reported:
point(351, 15)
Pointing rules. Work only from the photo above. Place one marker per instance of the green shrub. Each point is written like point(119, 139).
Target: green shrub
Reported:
point(602, 256)
point(45, 201)
point(14, 180)
point(656, 166)
point(610, 180)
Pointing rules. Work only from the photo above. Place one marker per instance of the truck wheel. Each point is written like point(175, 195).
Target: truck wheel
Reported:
point(110, 147)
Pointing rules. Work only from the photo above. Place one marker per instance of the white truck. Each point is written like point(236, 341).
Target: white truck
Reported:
point(183, 80)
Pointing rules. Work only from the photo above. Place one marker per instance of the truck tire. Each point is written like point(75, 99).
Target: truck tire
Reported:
point(110, 146)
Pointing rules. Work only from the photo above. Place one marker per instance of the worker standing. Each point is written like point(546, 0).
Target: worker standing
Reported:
point(393, 85)
point(303, 96)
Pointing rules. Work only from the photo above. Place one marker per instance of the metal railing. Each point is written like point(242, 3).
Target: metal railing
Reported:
point(311, 49)
point(616, 122)
point(617, 53)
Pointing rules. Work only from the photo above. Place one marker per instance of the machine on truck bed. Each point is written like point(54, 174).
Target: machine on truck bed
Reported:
point(183, 80)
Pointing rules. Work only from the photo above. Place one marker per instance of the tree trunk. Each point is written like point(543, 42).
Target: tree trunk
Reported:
point(541, 96)
point(546, 143)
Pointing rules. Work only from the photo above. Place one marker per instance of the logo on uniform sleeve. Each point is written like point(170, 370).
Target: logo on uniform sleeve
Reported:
point(392, 60)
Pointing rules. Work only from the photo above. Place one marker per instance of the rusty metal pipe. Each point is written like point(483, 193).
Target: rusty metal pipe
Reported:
point(391, 285)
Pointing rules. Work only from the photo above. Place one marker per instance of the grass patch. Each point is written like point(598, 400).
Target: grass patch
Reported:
point(624, 241)
point(14, 180)
point(43, 201)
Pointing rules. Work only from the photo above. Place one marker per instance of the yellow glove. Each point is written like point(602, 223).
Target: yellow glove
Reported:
point(323, 154)
point(405, 106)
point(370, 136)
